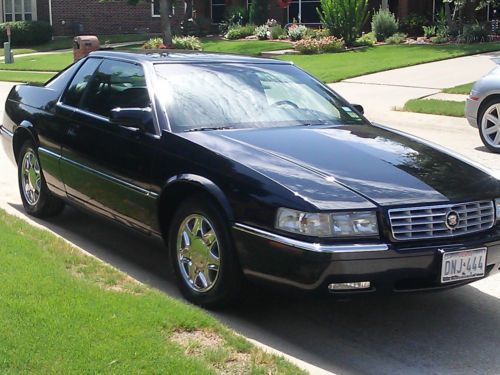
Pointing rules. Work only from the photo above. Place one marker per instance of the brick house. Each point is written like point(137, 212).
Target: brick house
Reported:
point(72, 17)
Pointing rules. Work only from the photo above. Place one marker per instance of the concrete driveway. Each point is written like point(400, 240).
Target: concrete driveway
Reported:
point(453, 332)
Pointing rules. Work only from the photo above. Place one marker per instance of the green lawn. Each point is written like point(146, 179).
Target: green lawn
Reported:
point(338, 66)
point(52, 62)
point(462, 89)
point(435, 107)
point(247, 47)
point(62, 312)
point(28, 77)
point(67, 42)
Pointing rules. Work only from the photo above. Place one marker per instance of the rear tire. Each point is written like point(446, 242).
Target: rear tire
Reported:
point(203, 255)
point(37, 199)
point(489, 124)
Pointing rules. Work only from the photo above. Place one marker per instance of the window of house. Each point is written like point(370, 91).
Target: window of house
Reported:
point(218, 10)
point(309, 13)
point(155, 8)
point(19, 10)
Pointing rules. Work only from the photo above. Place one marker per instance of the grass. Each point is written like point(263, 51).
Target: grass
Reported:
point(338, 66)
point(51, 62)
point(26, 77)
point(435, 107)
point(462, 89)
point(64, 312)
point(247, 47)
point(67, 43)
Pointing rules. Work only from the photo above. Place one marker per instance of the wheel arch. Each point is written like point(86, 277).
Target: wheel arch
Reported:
point(180, 187)
point(24, 132)
point(484, 103)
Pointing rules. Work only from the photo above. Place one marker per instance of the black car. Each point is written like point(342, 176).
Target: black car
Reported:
point(251, 169)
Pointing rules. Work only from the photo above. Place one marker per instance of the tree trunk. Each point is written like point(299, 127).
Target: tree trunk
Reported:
point(166, 30)
point(449, 18)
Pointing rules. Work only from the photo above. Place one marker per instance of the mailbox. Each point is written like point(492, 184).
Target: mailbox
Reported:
point(83, 45)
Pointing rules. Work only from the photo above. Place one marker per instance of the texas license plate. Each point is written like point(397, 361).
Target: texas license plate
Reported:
point(463, 265)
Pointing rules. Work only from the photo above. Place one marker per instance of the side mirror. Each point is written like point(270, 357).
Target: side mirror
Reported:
point(136, 118)
point(359, 108)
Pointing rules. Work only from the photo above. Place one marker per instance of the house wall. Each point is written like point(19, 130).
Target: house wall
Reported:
point(112, 17)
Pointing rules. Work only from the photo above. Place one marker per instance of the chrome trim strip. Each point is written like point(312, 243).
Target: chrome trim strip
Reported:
point(49, 152)
point(6, 131)
point(310, 246)
point(104, 175)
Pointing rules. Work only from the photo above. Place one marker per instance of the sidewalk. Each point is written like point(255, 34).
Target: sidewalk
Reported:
point(381, 92)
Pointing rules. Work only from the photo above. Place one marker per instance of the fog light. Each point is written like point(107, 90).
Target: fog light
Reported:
point(350, 286)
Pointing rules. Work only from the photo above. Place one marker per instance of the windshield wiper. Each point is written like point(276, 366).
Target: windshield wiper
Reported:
point(202, 129)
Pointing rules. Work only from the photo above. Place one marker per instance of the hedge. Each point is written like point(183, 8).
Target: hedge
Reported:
point(26, 32)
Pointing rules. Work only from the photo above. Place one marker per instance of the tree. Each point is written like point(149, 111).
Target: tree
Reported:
point(165, 10)
point(259, 12)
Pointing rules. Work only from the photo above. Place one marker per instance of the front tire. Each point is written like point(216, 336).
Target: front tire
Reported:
point(489, 124)
point(37, 199)
point(202, 254)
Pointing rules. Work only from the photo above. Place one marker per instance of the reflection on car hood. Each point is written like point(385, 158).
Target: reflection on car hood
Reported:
point(351, 163)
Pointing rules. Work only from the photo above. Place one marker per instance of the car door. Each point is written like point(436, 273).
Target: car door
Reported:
point(105, 166)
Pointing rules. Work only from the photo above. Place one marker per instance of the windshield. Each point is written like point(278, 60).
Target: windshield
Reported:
point(232, 95)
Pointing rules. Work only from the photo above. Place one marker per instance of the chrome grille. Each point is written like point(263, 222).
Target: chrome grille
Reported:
point(415, 223)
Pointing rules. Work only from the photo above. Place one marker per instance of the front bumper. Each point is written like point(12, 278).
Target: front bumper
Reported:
point(390, 268)
point(471, 111)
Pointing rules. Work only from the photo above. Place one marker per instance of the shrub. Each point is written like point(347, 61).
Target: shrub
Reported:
point(365, 40)
point(413, 23)
point(26, 32)
point(262, 32)
point(297, 32)
point(330, 44)
point(307, 46)
point(326, 44)
point(238, 31)
point(277, 32)
point(429, 31)
point(344, 18)
point(475, 33)
point(384, 24)
point(154, 43)
point(203, 25)
point(187, 42)
point(397, 38)
point(236, 15)
point(259, 11)
point(439, 39)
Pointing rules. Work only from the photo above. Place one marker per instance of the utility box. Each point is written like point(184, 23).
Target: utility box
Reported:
point(8, 55)
point(83, 45)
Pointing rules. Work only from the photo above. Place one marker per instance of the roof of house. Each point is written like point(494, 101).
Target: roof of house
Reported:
point(176, 56)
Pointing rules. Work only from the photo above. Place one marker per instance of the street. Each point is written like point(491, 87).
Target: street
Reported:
point(452, 332)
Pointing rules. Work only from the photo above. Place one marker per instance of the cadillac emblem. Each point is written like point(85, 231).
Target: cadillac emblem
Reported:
point(452, 220)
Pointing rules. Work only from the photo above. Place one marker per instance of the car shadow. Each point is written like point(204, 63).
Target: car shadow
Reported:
point(453, 332)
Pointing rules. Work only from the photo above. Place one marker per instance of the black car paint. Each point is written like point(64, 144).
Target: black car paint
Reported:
point(134, 177)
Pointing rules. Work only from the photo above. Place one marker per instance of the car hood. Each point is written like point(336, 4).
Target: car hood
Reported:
point(353, 163)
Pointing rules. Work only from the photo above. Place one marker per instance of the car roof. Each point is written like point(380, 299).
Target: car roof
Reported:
point(181, 56)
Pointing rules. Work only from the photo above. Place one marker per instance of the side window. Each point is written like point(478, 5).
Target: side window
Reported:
point(116, 84)
point(74, 93)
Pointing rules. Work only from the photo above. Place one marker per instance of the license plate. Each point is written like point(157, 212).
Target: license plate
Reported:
point(463, 265)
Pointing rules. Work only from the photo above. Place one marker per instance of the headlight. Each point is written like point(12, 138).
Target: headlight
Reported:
point(497, 209)
point(342, 224)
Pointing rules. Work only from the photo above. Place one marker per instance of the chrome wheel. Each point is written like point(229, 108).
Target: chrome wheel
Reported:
point(198, 253)
point(31, 178)
point(490, 125)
